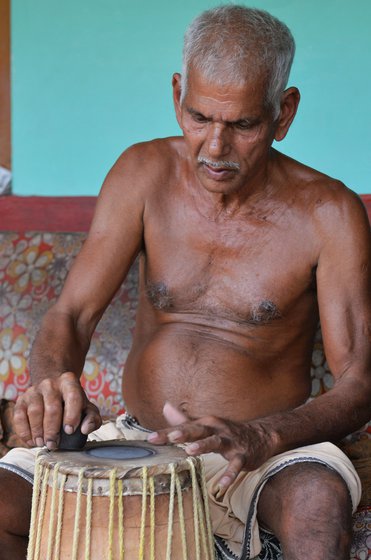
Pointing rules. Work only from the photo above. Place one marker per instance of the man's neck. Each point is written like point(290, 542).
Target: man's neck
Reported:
point(229, 204)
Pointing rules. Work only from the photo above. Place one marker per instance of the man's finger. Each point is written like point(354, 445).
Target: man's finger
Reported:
point(92, 419)
point(35, 412)
point(209, 444)
point(53, 412)
point(234, 468)
point(175, 418)
point(74, 402)
point(188, 432)
point(21, 423)
point(173, 415)
point(158, 438)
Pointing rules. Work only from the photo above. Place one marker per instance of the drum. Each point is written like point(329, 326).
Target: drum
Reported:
point(120, 500)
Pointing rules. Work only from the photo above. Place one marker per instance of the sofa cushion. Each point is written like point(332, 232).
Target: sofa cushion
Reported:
point(33, 268)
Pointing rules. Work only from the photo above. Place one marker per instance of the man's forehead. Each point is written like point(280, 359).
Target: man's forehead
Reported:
point(219, 84)
point(246, 96)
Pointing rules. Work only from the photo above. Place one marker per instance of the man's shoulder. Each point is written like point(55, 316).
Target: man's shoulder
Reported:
point(323, 196)
point(143, 167)
point(158, 154)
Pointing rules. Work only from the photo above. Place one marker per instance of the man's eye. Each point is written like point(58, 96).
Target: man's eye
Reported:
point(199, 118)
point(243, 125)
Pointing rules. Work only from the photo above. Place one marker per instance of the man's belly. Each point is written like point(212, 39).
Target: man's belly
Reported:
point(203, 372)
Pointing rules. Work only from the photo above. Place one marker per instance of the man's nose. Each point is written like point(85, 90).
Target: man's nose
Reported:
point(218, 142)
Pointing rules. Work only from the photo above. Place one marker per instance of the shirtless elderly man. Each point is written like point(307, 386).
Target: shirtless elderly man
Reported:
point(241, 249)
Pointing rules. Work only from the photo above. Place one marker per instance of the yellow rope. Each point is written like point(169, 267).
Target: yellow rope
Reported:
point(34, 508)
point(201, 514)
point(205, 496)
point(42, 503)
point(143, 518)
point(171, 513)
point(152, 514)
point(195, 508)
point(202, 528)
point(59, 518)
point(181, 518)
point(112, 483)
point(203, 531)
point(89, 507)
point(52, 510)
point(121, 518)
point(76, 528)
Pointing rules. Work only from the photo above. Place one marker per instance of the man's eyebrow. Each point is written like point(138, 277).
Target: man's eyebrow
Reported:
point(244, 120)
point(194, 112)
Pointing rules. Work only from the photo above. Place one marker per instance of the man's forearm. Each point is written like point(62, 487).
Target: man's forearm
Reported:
point(329, 417)
point(59, 346)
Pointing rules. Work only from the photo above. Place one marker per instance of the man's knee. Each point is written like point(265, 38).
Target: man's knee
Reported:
point(308, 494)
point(15, 503)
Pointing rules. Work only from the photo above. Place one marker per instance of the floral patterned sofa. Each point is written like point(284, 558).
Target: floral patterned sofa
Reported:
point(39, 238)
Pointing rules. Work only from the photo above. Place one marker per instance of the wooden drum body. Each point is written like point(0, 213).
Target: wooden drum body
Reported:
point(120, 500)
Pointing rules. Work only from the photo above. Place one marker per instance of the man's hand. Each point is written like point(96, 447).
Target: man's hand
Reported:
point(245, 445)
point(44, 408)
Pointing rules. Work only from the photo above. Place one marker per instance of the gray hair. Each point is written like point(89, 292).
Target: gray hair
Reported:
point(231, 43)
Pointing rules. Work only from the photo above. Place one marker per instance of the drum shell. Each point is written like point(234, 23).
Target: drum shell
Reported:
point(91, 491)
point(132, 523)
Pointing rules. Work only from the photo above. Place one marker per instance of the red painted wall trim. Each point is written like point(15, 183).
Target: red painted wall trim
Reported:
point(59, 213)
point(46, 213)
point(5, 144)
point(366, 199)
point(367, 202)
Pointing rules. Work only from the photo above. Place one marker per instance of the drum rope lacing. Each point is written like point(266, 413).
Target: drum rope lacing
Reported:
point(204, 541)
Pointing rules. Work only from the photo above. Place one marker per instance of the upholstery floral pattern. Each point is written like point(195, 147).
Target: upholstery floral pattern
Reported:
point(361, 544)
point(33, 268)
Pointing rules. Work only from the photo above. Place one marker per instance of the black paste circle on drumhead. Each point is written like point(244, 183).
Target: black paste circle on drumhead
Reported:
point(120, 453)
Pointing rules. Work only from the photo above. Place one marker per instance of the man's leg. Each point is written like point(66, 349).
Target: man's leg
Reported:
point(308, 507)
point(15, 513)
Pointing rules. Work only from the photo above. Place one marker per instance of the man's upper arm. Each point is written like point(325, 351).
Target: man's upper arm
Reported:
point(114, 240)
point(344, 288)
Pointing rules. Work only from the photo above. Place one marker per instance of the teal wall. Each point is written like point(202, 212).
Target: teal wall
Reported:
point(91, 77)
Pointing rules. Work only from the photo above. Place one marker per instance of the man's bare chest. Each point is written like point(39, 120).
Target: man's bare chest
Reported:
point(242, 270)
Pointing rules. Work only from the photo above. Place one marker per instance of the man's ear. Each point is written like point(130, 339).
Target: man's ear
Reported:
point(289, 104)
point(177, 90)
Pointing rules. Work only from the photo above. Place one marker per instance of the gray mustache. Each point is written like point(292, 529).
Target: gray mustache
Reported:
point(219, 164)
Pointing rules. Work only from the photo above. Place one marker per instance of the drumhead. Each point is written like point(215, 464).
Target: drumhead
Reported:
point(126, 458)
point(120, 452)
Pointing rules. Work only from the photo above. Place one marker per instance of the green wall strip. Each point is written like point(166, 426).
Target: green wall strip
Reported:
point(91, 77)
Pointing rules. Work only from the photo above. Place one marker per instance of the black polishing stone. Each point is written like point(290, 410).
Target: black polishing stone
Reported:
point(72, 442)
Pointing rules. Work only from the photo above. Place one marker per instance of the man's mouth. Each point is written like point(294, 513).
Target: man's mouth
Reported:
point(218, 169)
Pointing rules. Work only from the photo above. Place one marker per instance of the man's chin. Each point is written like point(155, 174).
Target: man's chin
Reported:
point(227, 185)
